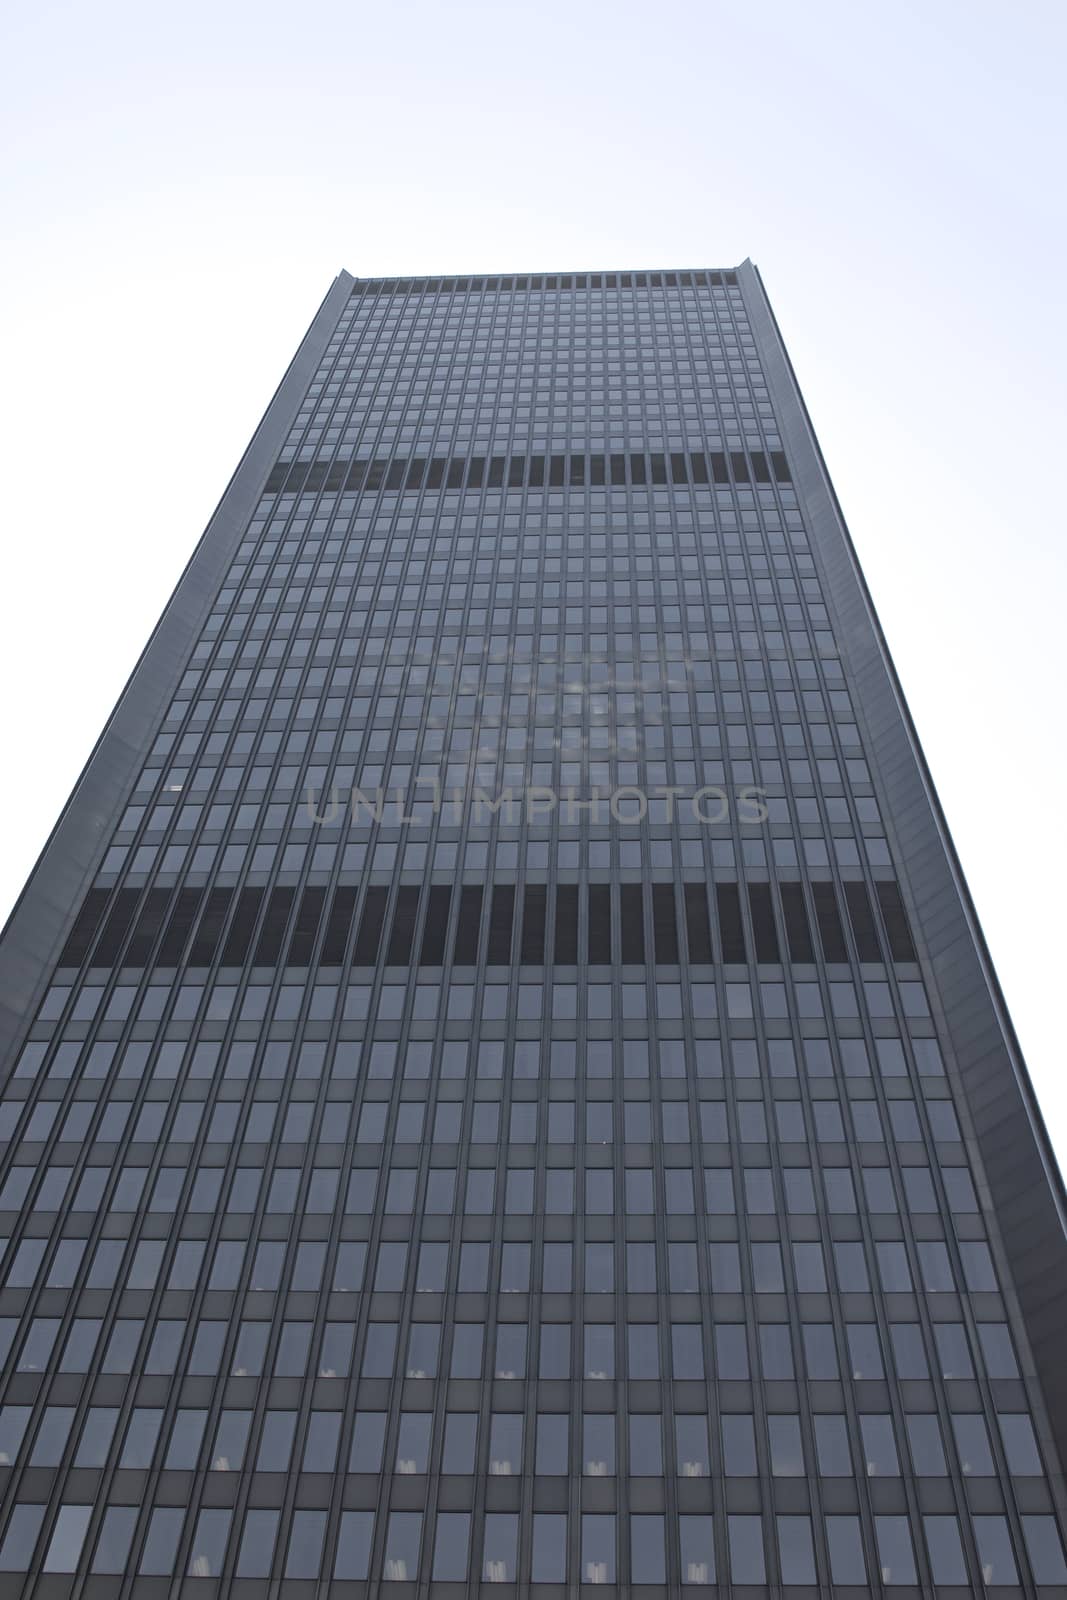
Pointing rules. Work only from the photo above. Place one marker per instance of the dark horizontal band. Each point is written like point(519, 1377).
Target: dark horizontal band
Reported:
point(470, 925)
point(636, 468)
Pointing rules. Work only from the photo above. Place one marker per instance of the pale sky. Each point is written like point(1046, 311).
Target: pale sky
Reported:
point(179, 187)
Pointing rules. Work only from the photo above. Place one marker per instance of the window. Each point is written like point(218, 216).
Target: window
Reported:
point(467, 1351)
point(745, 1540)
point(972, 1445)
point(413, 1442)
point(691, 1436)
point(865, 1355)
point(139, 1445)
point(255, 1556)
point(599, 1268)
point(403, 1540)
point(598, 1446)
point(1020, 1446)
point(725, 1264)
point(335, 1357)
point(893, 1268)
point(598, 1549)
point(895, 1556)
point(879, 1446)
point(549, 1561)
point(500, 1550)
point(308, 1265)
point(24, 1524)
point(795, 1549)
point(995, 1555)
point(511, 1350)
point(731, 1353)
point(646, 1447)
point(1044, 1549)
point(997, 1350)
point(776, 1352)
point(647, 1553)
point(642, 1350)
point(368, 1440)
point(304, 1557)
point(945, 1550)
point(787, 1453)
point(809, 1268)
point(250, 1350)
point(460, 1431)
point(161, 1542)
point(68, 1536)
point(379, 1350)
point(847, 1564)
point(320, 1445)
point(552, 1449)
point(50, 1443)
point(231, 1438)
point(186, 1437)
point(909, 1352)
point(451, 1551)
point(424, 1341)
point(354, 1538)
point(924, 1442)
point(505, 1444)
point(112, 1552)
point(276, 1441)
point(600, 1350)
point(696, 1536)
point(738, 1446)
point(831, 1447)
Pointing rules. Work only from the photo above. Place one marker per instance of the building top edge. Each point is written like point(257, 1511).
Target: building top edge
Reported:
point(674, 277)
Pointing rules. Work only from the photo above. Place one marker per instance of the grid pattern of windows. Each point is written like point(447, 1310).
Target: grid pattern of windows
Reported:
point(486, 1122)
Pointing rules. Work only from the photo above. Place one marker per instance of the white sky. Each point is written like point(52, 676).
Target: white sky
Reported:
point(179, 188)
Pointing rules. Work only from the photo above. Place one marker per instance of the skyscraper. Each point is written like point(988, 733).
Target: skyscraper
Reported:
point(502, 1081)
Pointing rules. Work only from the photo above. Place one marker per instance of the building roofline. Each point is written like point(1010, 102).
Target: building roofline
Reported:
point(620, 277)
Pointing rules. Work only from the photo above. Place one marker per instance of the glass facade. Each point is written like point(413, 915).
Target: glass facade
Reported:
point(503, 1085)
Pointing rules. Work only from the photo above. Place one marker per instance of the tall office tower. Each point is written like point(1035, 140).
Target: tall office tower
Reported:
point(583, 1145)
